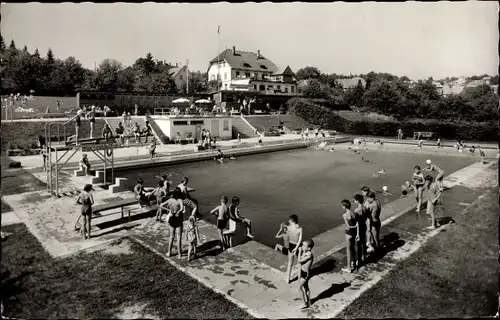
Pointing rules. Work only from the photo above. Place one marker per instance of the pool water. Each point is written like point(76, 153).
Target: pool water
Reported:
point(308, 183)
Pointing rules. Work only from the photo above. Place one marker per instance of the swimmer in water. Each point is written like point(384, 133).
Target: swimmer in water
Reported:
point(385, 191)
point(219, 156)
point(232, 157)
point(405, 188)
point(379, 173)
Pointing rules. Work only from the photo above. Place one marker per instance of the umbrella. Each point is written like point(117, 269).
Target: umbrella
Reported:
point(181, 100)
point(203, 101)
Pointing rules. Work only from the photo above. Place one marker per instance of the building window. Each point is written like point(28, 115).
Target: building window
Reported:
point(181, 77)
point(279, 87)
point(237, 74)
point(247, 74)
point(293, 89)
point(262, 87)
point(255, 87)
point(225, 75)
point(225, 125)
point(263, 67)
point(225, 86)
point(286, 89)
point(180, 123)
point(246, 65)
point(195, 122)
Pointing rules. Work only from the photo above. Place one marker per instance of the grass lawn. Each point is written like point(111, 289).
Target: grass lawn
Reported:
point(454, 275)
point(100, 284)
point(25, 134)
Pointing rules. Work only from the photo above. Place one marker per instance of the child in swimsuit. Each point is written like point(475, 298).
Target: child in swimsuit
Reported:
point(222, 212)
point(306, 259)
point(418, 185)
point(283, 233)
point(192, 237)
point(294, 232)
point(351, 233)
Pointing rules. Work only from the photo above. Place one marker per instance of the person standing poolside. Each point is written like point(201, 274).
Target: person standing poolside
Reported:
point(361, 218)
point(316, 133)
point(420, 144)
point(152, 149)
point(91, 115)
point(294, 232)
point(306, 259)
point(400, 134)
point(192, 236)
point(86, 200)
point(369, 241)
point(78, 123)
point(129, 120)
point(189, 201)
point(161, 195)
point(482, 155)
point(283, 234)
point(323, 134)
point(438, 143)
point(351, 232)
point(147, 131)
point(439, 174)
point(222, 212)
point(418, 185)
point(374, 209)
point(433, 195)
point(175, 219)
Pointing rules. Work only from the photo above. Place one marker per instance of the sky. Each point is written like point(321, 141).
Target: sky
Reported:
point(415, 39)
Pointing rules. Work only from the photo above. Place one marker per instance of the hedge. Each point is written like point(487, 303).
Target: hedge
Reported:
point(318, 115)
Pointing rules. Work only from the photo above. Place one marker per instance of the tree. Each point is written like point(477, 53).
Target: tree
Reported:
point(197, 82)
point(354, 97)
point(2, 44)
point(25, 49)
point(12, 45)
point(50, 57)
point(107, 75)
point(494, 80)
point(483, 102)
point(126, 79)
point(308, 73)
point(36, 53)
point(384, 97)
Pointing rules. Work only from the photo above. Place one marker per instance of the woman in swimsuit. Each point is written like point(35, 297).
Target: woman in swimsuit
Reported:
point(86, 200)
point(418, 186)
point(78, 122)
point(175, 218)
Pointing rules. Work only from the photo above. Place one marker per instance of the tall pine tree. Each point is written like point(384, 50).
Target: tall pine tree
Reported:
point(50, 57)
point(2, 43)
point(25, 49)
point(37, 53)
point(12, 45)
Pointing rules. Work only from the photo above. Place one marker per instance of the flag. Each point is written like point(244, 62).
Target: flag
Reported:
point(218, 29)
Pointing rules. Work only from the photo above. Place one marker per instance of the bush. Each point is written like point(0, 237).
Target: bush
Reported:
point(318, 115)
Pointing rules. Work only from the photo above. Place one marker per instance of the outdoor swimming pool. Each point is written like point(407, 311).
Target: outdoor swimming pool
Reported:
point(306, 182)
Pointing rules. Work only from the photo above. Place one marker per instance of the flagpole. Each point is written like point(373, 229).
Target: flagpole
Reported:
point(218, 54)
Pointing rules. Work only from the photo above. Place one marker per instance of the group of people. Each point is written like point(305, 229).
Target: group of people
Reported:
point(318, 134)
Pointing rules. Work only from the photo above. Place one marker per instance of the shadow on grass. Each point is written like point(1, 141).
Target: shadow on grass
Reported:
point(388, 243)
point(12, 288)
point(116, 222)
point(335, 288)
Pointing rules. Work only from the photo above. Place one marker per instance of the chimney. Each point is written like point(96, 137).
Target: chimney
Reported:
point(234, 50)
point(258, 54)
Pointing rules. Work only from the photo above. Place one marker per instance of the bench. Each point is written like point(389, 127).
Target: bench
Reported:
point(120, 204)
point(422, 134)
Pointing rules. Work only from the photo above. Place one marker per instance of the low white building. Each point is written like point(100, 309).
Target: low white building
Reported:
point(219, 127)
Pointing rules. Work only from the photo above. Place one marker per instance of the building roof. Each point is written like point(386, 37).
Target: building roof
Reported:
point(454, 89)
point(352, 82)
point(245, 60)
point(282, 71)
point(175, 71)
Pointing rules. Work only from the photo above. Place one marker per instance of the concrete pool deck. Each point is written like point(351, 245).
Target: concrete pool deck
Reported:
point(251, 275)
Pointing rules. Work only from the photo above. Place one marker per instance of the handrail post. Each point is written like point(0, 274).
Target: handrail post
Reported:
point(105, 161)
point(57, 176)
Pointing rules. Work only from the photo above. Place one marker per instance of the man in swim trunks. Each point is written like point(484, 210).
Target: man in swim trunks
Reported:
point(439, 174)
point(433, 195)
point(369, 241)
point(222, 212)
point(294, 232)
point(374, 209)
point(283, 233)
